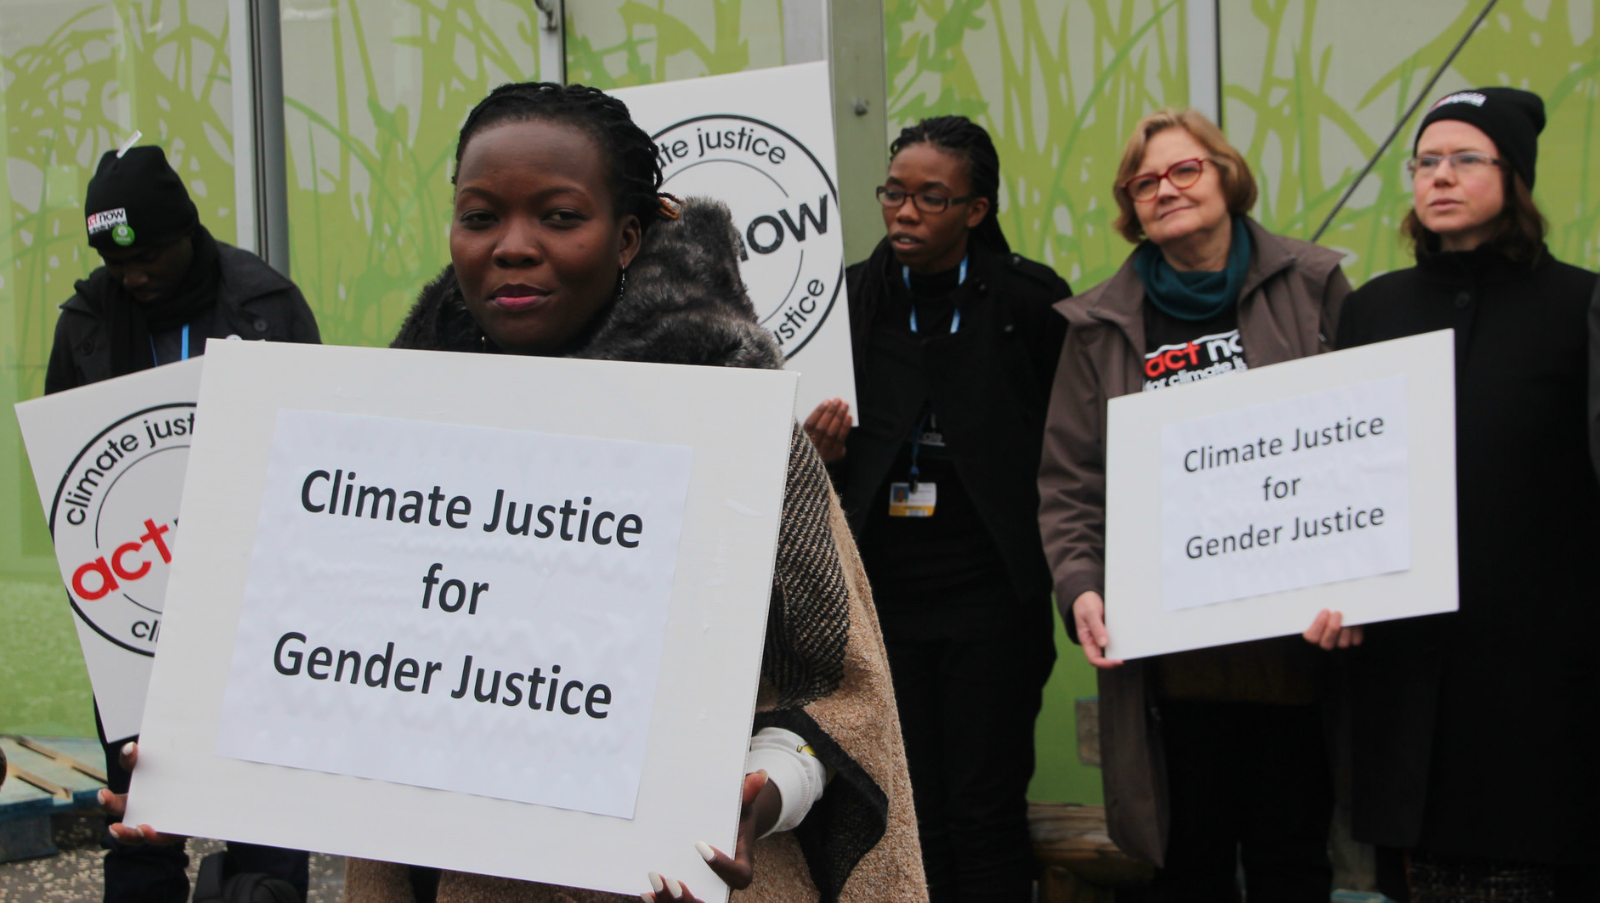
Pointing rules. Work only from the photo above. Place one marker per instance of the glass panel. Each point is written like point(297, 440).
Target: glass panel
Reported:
point(1059, 86)
point(620, 43)
point(78, 79)
point(374, 94)
point(1311, 89)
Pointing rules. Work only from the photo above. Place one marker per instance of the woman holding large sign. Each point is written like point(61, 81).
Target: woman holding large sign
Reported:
point(1472, 802)
point(1215, 756)
point(561, 245)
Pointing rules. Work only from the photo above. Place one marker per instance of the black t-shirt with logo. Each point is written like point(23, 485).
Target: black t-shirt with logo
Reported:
point(948, 559)
point(1180, 351)
point(1277, 670)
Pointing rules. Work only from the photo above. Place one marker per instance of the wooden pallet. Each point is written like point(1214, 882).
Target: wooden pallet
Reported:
point(1078, 863)
point(44, 776)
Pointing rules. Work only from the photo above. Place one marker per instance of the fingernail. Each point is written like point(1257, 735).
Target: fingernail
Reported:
point(705, 851)
point(127, 748)
point(676, 889)
point(648, 898)
point(657, 883)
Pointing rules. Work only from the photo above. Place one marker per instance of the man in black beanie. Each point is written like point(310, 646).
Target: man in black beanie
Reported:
point(165, 288)
point(166, 285)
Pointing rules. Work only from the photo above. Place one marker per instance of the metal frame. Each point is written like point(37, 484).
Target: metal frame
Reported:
point(1204, 31)
point(860, 116)
point(260, 156)
point(552, 39)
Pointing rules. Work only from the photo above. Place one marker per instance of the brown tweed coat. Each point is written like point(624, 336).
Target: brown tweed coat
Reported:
point(825, 675)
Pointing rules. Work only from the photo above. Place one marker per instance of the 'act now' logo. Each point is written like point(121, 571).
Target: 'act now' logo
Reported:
point(115, 520)
point(784, 205)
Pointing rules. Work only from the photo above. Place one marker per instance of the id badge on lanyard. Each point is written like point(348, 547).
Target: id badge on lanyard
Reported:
point(907, 502)
point(916, 498)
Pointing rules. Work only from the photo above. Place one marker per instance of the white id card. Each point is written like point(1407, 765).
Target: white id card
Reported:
point(905, 503)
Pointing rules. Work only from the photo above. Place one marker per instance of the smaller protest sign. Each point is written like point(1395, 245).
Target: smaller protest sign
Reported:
point(1238, 508)
point(108, 460)
point(762, 142)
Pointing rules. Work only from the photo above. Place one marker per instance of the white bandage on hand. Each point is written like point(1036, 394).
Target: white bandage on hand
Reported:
point(790, 764)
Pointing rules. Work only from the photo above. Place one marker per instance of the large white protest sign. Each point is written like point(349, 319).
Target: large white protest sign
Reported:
point(1238, 508)
point(598, 537)
point(498, 592)
point(762, 143)
point(108, 460)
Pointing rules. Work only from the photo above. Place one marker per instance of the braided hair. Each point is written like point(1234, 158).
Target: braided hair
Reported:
point(633, 168)
point(967, 140)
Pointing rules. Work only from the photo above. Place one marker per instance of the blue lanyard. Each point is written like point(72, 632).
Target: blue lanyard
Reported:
point(955, 323)
point(185, 352)
point(916, 446)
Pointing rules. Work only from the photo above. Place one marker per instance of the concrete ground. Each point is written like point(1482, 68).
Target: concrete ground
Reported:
point(73, 875)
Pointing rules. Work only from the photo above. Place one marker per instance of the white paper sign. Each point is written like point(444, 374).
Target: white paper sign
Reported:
point(481, 610)
point(1239, 507)
point(673, 628)
point(1296, 493)
point(108, 460)
point(762, 142)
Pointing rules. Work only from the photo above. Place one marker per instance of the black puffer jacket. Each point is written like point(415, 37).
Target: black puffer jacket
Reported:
point(254, 302)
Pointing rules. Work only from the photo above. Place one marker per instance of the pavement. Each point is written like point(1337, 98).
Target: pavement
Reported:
point(73, 875)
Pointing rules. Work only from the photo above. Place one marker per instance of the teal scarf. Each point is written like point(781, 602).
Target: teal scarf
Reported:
point(1196, 295)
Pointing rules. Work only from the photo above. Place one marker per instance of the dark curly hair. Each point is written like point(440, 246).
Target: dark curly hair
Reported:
point(970, 142)
point(634, 169)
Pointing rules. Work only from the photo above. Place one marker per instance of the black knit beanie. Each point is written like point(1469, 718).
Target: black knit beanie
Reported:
point(137, 201)
point(1511, 118)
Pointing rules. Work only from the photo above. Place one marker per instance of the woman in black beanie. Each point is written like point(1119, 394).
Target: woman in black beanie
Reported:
point(1473, 750)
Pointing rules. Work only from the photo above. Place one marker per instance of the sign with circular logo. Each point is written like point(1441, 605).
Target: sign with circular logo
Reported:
point(785, 207)
point(115, 522)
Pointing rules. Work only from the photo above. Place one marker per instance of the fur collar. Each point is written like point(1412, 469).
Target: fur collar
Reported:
point(684, 303)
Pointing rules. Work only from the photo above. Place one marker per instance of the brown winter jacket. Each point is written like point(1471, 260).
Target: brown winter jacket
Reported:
point(1288, 308)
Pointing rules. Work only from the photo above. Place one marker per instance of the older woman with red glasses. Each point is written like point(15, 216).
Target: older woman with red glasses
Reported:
point(1214, 758)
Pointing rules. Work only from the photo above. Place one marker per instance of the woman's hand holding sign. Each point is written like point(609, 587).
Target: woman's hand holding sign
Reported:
point(117, 803)
point(1089, 616)
point(1328, 631)
point(762, 804)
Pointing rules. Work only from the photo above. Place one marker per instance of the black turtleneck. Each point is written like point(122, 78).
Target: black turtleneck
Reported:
point(947, 561)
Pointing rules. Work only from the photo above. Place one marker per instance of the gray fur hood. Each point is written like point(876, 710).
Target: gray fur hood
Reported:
point(684, 303)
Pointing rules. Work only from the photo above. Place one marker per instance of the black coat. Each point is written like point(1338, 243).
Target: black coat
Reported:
point(990, 382)
point(1473, 732)
point(253, 302)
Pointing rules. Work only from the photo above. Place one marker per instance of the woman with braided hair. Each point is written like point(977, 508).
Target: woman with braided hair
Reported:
point(561, 245)
point(955, 348)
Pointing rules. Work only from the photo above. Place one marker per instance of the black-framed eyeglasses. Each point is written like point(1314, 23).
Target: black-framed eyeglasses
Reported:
point(1465, 162)
point(1182, 174)
point(926, 201)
